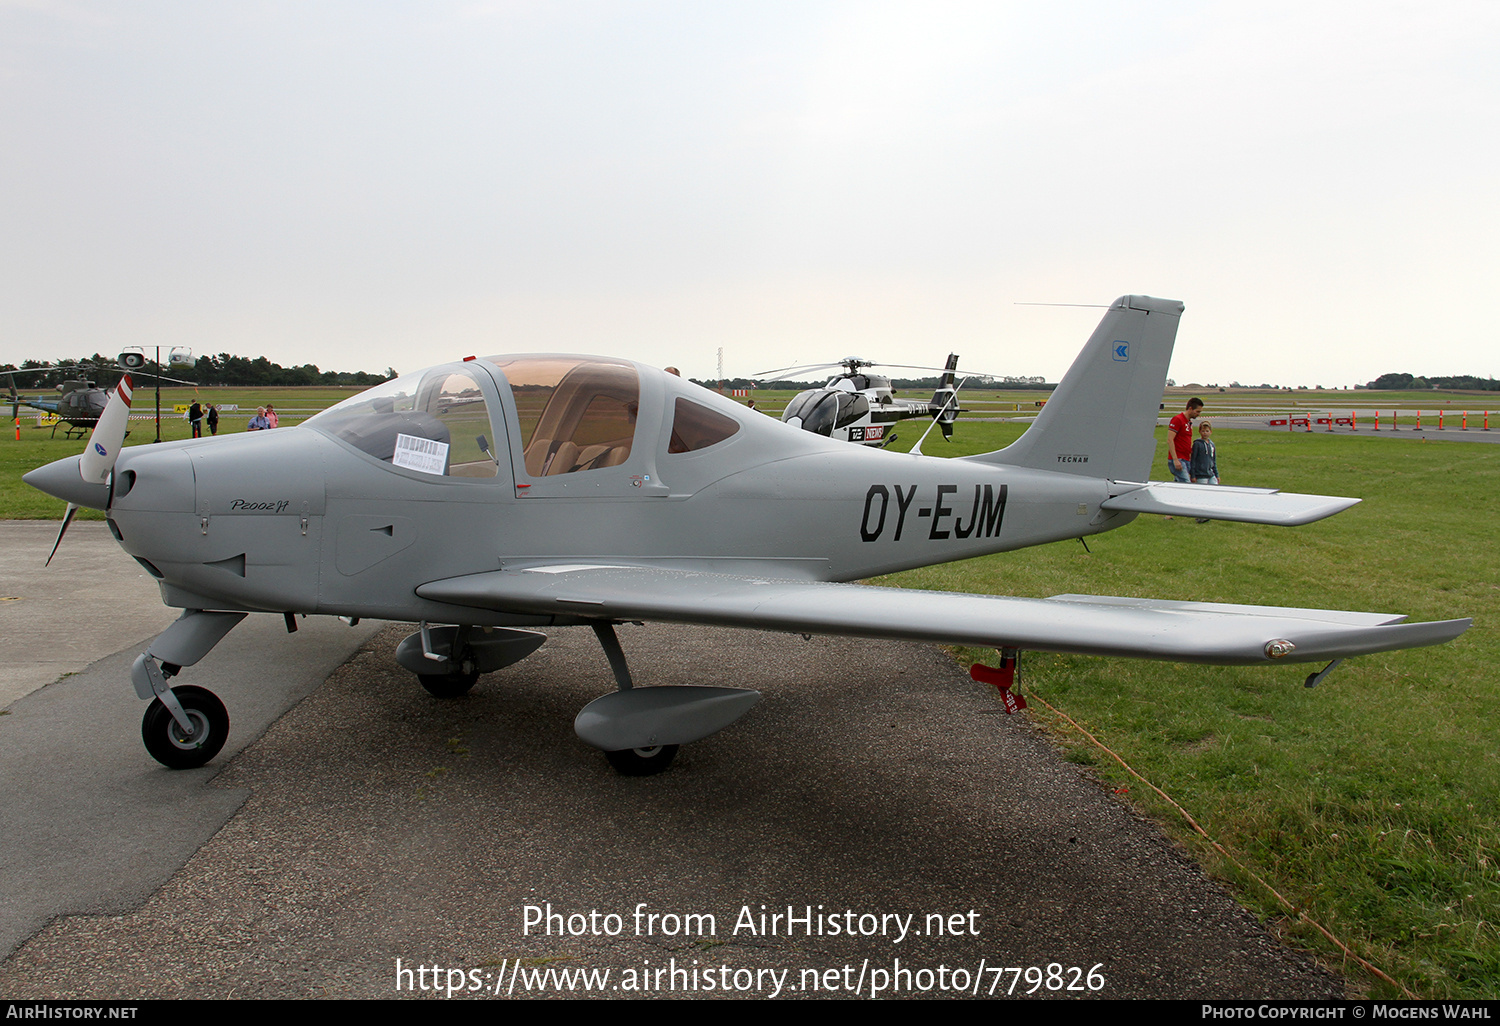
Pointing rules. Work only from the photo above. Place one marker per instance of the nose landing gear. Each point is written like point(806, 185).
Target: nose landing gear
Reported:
point(176, 748)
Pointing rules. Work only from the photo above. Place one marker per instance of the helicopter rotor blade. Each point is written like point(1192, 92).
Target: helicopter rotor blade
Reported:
point(773, 374)
point(862, 363)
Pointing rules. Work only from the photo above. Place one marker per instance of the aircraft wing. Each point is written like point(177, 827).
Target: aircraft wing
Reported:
point(1221, 502)
point(1188, 632)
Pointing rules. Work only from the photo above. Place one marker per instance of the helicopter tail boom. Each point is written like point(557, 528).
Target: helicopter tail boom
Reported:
point(945, 400)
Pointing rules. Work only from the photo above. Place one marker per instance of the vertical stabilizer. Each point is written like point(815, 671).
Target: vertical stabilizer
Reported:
point(945, 408)
point(1101, 420)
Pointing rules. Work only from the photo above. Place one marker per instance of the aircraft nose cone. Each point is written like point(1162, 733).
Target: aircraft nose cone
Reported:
point(63, 480)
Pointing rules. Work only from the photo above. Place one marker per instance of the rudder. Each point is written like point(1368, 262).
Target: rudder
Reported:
point(1101, 420)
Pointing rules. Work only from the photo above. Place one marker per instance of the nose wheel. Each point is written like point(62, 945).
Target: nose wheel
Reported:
point(177, 748)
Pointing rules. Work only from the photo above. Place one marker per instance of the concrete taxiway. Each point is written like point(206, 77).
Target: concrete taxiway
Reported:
point(91, 824)
point(55, 620)
point(371, 823)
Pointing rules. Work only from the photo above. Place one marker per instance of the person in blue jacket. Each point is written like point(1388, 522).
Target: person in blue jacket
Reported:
point(1204, 464)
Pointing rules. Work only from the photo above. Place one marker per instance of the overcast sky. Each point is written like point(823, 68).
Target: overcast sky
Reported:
point(363, 185)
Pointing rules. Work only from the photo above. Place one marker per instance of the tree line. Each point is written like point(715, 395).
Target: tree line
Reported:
point(1456, 382)
point(224, 369)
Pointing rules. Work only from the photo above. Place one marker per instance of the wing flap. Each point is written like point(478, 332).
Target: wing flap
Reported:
point(1214, 633)
point(1221, 502)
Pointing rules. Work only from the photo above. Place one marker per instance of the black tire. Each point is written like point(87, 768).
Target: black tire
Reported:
point(165, 739)
point(448, 685)
point(642, 762)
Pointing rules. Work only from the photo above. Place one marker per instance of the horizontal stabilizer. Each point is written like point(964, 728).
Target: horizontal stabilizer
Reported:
point(1188, 632)
point(1220, 502)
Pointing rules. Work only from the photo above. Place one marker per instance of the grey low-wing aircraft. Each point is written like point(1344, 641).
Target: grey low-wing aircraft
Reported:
point(487, 498)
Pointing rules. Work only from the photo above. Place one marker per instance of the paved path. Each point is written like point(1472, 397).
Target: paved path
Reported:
point(375, 823)
point(89, 822)
point(92, 600)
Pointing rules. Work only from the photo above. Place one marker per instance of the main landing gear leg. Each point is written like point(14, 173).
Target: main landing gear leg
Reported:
point(463, 672)
point(632, 762)
point(449, 659)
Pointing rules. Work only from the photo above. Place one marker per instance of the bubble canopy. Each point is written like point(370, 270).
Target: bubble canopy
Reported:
point(575, 414)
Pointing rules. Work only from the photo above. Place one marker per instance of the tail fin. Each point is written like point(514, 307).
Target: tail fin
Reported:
point(1101, 420)
point(945, 400)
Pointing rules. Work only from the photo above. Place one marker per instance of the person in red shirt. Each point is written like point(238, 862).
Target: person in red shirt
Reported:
point(1180, 440)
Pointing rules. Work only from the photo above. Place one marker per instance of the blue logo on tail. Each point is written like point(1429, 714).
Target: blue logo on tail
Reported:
point(1122, 352)
point(100, 449)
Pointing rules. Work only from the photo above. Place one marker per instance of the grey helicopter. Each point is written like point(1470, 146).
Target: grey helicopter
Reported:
point(79, 401)
point(76, 403)
point(492, 498)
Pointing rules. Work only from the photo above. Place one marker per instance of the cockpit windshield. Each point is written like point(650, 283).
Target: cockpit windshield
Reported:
point(822, 410)
point(436, 422)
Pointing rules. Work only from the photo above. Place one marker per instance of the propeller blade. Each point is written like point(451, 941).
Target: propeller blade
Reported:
point(67, 519)
point(108, 435)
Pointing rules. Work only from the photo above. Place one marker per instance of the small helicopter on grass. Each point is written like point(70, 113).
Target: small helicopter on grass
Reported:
point(79, 401)
point(77, 404)
point(862, 408)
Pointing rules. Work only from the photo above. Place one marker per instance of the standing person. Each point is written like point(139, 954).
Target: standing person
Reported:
point(213, 419)
point(271, 419)
point(258, 422)
point(195, 418)
point(1205, 461)
point(1180, 440)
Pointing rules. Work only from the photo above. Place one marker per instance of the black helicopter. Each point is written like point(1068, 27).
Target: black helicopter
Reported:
point(859, 407)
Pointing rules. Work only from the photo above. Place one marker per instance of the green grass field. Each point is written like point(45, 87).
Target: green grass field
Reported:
point(1234, 402)
point(1370, 801)
point(39, 446)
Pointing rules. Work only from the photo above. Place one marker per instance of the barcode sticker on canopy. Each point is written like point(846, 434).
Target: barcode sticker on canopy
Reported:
point(422, 454)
